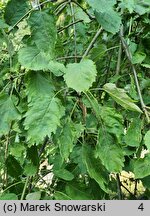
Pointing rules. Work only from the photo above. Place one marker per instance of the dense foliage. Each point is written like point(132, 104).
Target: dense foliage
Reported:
point(75, 99)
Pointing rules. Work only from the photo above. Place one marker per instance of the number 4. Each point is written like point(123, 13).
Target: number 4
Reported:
point(141, 207)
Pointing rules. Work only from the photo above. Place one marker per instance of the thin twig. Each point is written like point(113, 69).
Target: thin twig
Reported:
point(127, 190)
point(68, 57)
point(119, 59)
point(74, 28)
point(84, 10)
point(67, 26)
point(119, 187)
point(92, 43)
point(129, 56)
point(58, 11)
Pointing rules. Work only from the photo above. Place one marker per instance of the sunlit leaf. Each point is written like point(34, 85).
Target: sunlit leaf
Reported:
point(80, 76)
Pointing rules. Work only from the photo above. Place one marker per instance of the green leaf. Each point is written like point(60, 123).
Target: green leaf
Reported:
point(113, 121)
point(14, 168)
point(109, 20)
point(94, 167)
point(30, 169)
point(133, 135)
point(8, 196)
point(38, 86)
point(40, 49)
point(61, 196)
point(64, 174)
point(140, 7)
point(15, 9)
point(58, 69)
point(120, 96)
point(107, 148)
point(17, 149)
point(32, 155)
point(3, 25)
point(34, 196)
point(142, 167)
point(43, 118)
point(147, 139)
point(43, 31)
point(138, 57)
point(8, 113)
point(77, 193)
point(126, 4)
point(80, 76)
point(65, 141)
point(32, 58)
point(102, 5)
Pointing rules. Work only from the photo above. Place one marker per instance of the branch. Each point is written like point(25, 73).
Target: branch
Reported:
point(67, 26)
point(68, 57)
point(74, 27)
point(119, 187)
point(84, 10)
point(92, 43)
point(129, 56)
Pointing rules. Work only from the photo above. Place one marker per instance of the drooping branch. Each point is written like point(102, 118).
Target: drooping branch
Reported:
point(92, 43)
point(129, 56)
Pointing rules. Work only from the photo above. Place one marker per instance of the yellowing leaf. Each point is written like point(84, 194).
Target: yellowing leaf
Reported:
point(120, 96)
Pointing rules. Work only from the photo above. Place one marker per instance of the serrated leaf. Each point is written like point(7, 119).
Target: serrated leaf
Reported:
point(38, 85)
point(69, 134)
point(8, 113)
point(147, 139)
point(113, 121)
point(40, 49)
point(65, 141)
point(101, 5)
point(64, 174)
point(107, 148)
point(94, 167)
point(15, 9)
point(58, 69)
point(34, 196)
point(109, 20)
point(43, 31)
point(14, 168)
point(142, 167)
point(133, 135)
point(8, 196)
point(32, 58)
point(80, 76)
point(43, 118)
point(120, 96)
